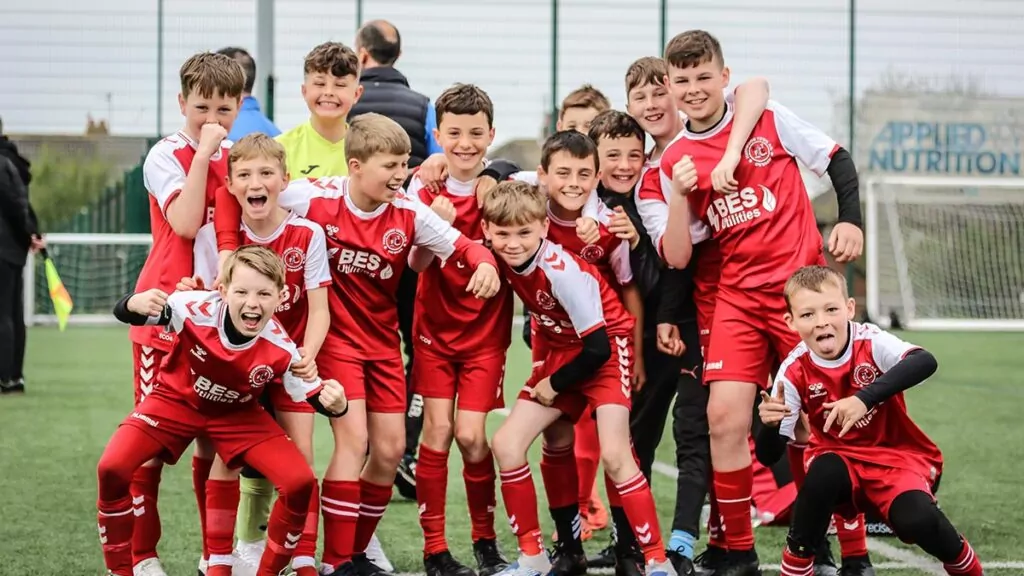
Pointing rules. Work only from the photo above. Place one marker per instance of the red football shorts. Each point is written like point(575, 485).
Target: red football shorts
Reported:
point(748, 338)
point(704, 300)
point(174, 424)
point(380, 382)
point(145, 367)
point(476, 381)
point(611, 384)
point(875, 486)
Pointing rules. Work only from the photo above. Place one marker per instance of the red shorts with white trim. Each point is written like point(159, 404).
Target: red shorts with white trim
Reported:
point(611, 384)
point(876, 487)
point(146, 362)
point(748, 338)
point(380, 382)
point(476, 380)
point(704, 301)
point(175, 424)
point(282, 402)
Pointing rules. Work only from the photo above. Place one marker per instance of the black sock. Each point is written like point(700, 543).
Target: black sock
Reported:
point(569, 526)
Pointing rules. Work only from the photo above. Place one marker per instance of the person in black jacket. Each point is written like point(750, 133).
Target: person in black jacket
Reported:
point(18, 235)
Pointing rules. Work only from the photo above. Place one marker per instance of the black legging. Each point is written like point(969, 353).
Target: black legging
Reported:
point(12, 322)
point(413, 402)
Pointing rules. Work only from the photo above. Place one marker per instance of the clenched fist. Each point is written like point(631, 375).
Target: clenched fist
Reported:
point(444, 208)
point(684, 176)
point(148, 303)
point(485, 281)
point(210, 137)
point(332, 397)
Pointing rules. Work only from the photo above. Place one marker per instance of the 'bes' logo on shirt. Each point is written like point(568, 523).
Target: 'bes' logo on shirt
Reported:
point(726, 211)
point(360, 262)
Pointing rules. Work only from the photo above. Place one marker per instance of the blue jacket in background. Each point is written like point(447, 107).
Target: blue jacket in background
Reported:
point(250, 119)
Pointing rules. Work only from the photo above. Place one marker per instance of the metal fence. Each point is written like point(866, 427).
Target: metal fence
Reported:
point(117, 59)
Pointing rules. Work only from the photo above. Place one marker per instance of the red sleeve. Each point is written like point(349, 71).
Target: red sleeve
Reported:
point(475, 253)
point(227, 216)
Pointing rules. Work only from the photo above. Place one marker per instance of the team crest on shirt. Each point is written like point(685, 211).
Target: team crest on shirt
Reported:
point(592, 253)
point(395, 241)
point(758, 151)
point(261, 375)
point(294, 259)
point(864, 374)
point(545, 300)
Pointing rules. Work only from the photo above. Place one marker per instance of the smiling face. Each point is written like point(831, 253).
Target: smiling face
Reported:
point(653, 107)
point(621, 160)
point(252, 298)
point(822, 318)
point(257, 182)
point(569, 180)
point(381, 175)
point(464, 139)
point(330, 97)
point(516, 244)
point(699, 90)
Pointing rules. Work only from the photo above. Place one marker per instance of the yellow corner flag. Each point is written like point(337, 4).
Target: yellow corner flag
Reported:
point(62, 304)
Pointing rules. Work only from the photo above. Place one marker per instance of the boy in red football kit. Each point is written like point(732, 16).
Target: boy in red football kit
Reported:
point(370, 228)
point(228, 349)
point(578, 317)
point(181, 173)
point(864, 453)
point(765, 231)
point(460, 344)
point(257, 174)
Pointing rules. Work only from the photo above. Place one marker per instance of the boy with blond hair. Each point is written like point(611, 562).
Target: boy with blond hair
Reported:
point(181, 173)
point(370, 227)
point(579, 108)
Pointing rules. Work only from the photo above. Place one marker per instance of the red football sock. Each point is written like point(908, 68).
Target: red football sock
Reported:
point(340, 508)
point(431, 491)
point(716, 536)
point(733, 492)
point(588, 458)
point(558, 468)
point(305, 552)
point(795, 458)
point(852, 535)
point(643, 516)
point(373, 501)
point(284, 530)
point(966, 564)
point(146, 529)
point(796, 566)
point(200, 474)
point(614, 500)
point(521, 506)
point(221, 509)
point(480, 495)
point(115, 519)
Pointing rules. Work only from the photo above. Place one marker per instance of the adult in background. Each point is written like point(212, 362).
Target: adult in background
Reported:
point(18, 235)
point(250, 118)
point(386, 91)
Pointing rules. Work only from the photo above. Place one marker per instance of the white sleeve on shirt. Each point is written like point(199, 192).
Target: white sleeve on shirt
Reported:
point(803, 140)
point(886, 348)
point(204, 254)
point(792, 395)
point(317, 272)
point(699, 232)
point(162, 173)
point(577, 292)
point(619, 262)
point(431, 232)
point(297, 196)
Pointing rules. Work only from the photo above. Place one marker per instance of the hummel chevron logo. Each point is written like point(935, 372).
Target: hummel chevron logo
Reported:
point(513, 524)
point(292, 540)
point(554, 261)
point(643, 533)
point(103, 534)
point(203, 308)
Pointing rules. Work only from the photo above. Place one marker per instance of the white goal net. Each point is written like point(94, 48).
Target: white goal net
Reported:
point(945, 253)
point(97, 270)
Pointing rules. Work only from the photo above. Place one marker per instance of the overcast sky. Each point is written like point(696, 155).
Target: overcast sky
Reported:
point(62, 61)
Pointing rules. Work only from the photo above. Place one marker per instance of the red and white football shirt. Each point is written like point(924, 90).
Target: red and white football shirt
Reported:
point(213, 375)
point(367, 252)
point(886, 435)
point(609, 254)
point(767, 230)
point(301, 245)
point(567, 297)
point(449, 321)
point(170, 259)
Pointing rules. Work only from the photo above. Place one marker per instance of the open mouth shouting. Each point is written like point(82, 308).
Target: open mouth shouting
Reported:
point(257, 200)
point(250, 320)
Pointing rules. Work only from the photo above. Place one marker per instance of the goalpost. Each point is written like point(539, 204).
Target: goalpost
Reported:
point(97, 270)
point(945, 253)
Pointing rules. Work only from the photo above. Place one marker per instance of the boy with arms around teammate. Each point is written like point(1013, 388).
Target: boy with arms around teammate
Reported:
point(578, 317)
point(765, 231)
point(181, 174)
point(256, 167)
point(229, 347)
point(370, 228)
point(864, 453)
point(460, 344)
